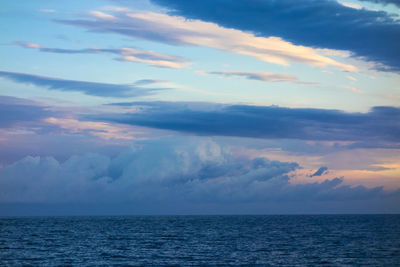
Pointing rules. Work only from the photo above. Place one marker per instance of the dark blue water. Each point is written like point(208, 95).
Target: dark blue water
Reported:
point(332, 240)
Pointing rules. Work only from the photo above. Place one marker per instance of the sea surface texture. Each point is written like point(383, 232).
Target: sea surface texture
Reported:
point(331, 240)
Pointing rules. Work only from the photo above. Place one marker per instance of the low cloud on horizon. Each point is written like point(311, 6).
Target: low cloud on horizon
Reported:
point(173, 171)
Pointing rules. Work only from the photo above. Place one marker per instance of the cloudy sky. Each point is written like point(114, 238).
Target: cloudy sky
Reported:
point(199, 107)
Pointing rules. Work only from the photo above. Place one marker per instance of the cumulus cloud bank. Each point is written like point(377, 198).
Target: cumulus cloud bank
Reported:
point(168, 171)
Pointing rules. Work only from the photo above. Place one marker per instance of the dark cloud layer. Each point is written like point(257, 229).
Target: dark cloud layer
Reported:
point(89, 88)
point(372, 35)
point(380, 124)
point(15, 110)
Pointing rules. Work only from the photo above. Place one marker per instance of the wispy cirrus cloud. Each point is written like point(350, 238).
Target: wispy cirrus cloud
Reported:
point(47, 10)
point(353, 89)
point(262, 76)
point(89, 88)
point(351, 78)
point(125, 54)
point(177, 30)
point(372, 35)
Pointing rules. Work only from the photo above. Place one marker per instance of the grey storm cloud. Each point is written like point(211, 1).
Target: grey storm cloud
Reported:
point(379, 125)
point(372, 35)
point(89, 88)
point(180, 171)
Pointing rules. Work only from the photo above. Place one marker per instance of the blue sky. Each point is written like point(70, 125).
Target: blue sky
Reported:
point(200, 107)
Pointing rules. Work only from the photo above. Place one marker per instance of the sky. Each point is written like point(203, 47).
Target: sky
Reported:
point(118, 107)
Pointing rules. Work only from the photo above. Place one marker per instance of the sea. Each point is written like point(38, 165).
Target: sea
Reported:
point(270, 240)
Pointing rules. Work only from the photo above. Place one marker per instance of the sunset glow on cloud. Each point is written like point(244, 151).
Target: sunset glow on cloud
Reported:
point(273, 104)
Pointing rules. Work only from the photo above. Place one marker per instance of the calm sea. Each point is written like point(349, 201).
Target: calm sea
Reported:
point(331, 240)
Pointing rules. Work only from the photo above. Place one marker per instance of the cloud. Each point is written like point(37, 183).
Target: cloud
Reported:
point(25, 124)
point(89, 88)
point(262, 76)
point(99, 129)
point(378, 125)
point(353, 89)
point(102, 15)
point(188, 172)
point(351, 5)
point(320, 171)
point(351, 78)
point(125, 54)
point(47, 10)
point(42, 140)
point(148, 81)
point(384, 2)
point(33, 128)
point(177, 30)
point(15, 110)
point(371, 35)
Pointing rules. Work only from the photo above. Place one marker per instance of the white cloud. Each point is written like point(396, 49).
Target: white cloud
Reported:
point(351, 5)
point(102, 15)
point(353, 89)
point(351, 78)
point(263, 76)
point(180, 31)
point(29, 45)
point(47, 10)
